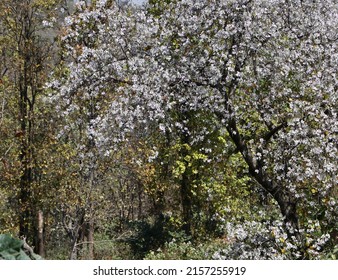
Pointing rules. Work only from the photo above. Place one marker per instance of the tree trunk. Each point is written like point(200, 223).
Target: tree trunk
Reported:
point(25, 211)
point(288, 207)
point(40, 236)
point(25, 85)
point(73, 253)
point(185, 185)
point(90, 239)
point(186, 204)
point(286, 201)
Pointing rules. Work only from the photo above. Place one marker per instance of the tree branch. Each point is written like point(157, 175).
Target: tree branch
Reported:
point(274, 131)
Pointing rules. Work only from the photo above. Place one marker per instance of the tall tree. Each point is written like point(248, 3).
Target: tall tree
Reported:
point(255, 61)
point(262, 73)
point(27, 58)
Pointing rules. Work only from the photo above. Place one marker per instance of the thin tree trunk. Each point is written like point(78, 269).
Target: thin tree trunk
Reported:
point(90, 239)
point(186, 204)
point(73, 253)
point(25, 213)
point(40, 236)
point(185, 185)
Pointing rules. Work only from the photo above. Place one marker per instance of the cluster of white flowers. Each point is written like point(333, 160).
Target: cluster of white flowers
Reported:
point(254, 240)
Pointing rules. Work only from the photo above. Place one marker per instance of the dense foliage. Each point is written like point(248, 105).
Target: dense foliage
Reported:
point(192, 122)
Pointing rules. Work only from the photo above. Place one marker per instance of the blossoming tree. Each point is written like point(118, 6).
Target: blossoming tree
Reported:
point(264, 72)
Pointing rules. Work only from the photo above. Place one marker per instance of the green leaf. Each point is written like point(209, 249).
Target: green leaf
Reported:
point(22, 256)
point(12, 249)
point(5, 255)
point(8, 242)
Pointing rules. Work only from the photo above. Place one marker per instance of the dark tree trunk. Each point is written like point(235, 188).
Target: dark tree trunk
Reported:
point(186, 204)
point(286, 200)
point(26, 90)
point(25, 207)
point(185, 185)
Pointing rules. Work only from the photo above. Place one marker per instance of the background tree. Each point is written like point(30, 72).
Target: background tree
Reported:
point(27, 58)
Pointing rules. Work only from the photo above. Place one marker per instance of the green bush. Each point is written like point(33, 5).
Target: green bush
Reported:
point(107, 247)
point(15, 249)
point(333, 254)
point(187, 250)
point(148, 235)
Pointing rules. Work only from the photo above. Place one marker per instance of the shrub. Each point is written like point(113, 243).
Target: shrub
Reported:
point(15, 249)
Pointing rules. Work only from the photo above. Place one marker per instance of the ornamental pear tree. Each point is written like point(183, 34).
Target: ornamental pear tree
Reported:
point(263, 72)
